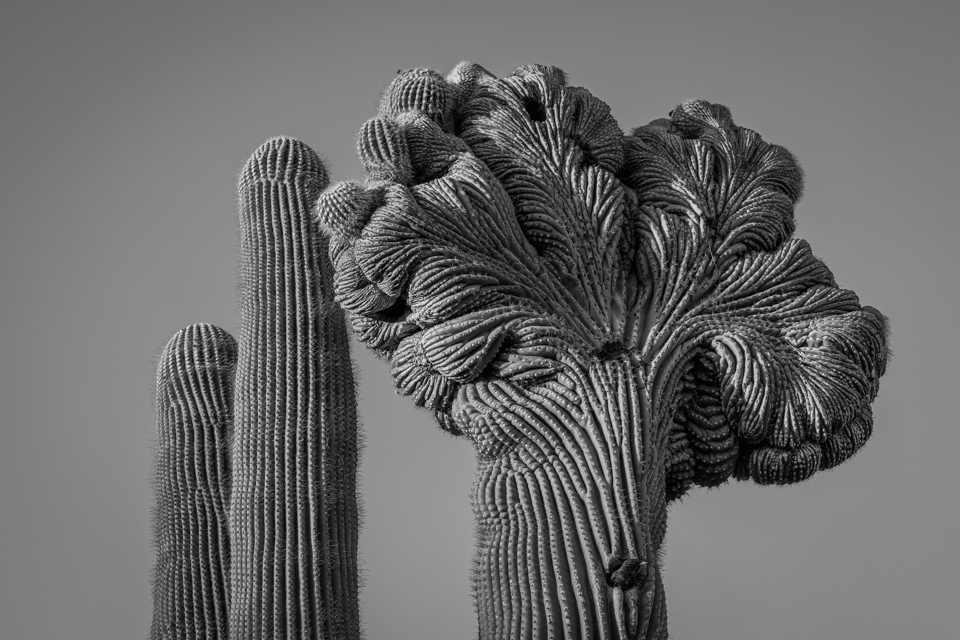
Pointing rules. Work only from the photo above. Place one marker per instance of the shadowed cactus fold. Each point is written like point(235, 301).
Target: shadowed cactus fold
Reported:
point(610, 319)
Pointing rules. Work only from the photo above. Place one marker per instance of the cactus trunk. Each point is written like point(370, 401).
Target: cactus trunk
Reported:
point(570, 525)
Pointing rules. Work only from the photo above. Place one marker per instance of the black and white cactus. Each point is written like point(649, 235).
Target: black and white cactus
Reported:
point(610, 319)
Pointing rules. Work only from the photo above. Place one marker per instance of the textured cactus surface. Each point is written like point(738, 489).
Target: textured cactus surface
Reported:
point(293, 517)
point(289, 564)
point(611, 319)
point(194, 392)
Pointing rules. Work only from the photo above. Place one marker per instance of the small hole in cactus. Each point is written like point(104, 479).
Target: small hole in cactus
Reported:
point(535, 109)
point(611, 350)
point(587, 157)
point(628, 575)
point(394, 313)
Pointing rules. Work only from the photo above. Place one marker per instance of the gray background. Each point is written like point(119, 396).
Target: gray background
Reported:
point(125, 124)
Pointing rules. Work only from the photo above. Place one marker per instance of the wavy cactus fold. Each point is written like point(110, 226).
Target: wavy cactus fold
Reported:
point(611, 319)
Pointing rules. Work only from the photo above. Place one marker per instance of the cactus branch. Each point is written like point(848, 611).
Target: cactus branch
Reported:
point(194, 423)
point(293, 511)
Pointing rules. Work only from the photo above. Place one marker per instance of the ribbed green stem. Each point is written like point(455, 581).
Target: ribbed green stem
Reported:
point(194, 421)
point(294, 520)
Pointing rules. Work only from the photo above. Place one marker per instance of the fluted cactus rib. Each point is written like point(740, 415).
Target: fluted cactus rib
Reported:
point(610, 319)
point(294, 520)
point(194, 424)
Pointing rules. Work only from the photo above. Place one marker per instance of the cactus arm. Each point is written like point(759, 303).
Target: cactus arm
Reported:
point(281, 561)
point(194, 421)
point(294, 519)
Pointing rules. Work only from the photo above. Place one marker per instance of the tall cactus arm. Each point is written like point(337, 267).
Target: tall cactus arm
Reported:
point(284, 565)
point(293, 510)
point(194, 425)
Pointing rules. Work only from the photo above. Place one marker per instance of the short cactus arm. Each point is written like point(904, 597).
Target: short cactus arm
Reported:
point(194, 421)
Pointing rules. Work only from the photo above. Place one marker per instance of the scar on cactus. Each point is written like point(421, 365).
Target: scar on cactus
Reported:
point(611, 319)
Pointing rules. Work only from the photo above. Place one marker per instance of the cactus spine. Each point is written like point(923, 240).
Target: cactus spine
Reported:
point(194, 421)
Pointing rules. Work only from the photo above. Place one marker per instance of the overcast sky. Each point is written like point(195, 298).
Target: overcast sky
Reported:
point(125, 124)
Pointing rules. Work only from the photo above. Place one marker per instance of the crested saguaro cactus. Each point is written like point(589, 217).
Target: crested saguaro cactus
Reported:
point(610, 319)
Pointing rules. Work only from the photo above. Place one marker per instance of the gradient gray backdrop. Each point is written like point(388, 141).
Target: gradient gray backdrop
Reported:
point(125, 124)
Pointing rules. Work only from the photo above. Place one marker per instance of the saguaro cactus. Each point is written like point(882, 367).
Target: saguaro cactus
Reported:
point(610, 319)
point(293, 513)
point(293, 526)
